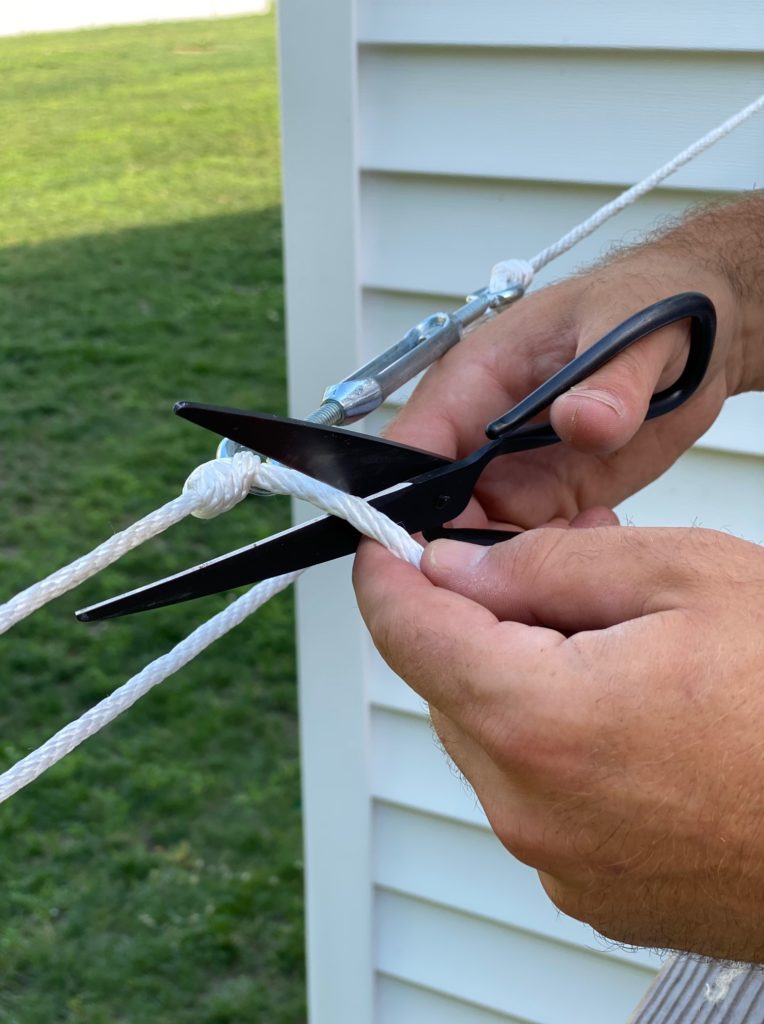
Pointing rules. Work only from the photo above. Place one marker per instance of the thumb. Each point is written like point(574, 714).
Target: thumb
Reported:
point(605, 411)
point(568, 580)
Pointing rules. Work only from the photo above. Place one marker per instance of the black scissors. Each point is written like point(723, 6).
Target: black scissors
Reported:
point(437, 489)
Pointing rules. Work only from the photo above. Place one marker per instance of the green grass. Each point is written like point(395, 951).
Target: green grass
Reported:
point(153, 876)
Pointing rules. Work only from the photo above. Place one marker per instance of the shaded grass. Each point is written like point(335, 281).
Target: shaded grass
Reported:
point(155, 874)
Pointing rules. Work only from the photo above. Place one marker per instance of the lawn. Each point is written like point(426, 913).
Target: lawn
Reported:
point(153, 876)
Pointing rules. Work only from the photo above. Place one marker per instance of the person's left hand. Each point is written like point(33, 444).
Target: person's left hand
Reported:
point(603, 691)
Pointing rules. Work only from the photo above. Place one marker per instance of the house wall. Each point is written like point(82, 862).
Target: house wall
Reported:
point(423, 141)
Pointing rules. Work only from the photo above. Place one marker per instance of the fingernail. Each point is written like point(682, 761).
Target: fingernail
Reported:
point(454, 556)
point(603, 397)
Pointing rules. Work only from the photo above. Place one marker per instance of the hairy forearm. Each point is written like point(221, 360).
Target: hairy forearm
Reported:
point(720, 249)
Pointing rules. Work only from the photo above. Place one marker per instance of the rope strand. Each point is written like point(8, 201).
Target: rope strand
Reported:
point(65, 740)
point(211, 489)
point(70, 576)
point(511, 272)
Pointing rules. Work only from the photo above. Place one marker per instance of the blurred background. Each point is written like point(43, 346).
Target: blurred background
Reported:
point(154, 875)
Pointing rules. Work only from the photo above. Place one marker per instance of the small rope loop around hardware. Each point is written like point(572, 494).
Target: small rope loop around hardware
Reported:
point(511, 274)
point(222, 483)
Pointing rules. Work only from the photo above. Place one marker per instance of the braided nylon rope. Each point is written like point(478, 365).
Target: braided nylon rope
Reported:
point(66, 739)
point(521, 272)
point(70, 576)
point(212, 488)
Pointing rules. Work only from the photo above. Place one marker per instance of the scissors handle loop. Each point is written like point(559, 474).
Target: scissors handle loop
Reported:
point(694, 306)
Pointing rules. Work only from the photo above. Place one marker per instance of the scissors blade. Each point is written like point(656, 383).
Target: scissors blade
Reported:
point(414, 507)
point(354, 462)
point(433, 498)
point(320, 540)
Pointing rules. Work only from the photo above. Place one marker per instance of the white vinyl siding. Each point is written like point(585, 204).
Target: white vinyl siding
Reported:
point(423, 141)
point(707, 25)
point(590, 117)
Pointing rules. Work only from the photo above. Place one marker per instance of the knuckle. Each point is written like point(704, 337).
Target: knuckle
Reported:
point(531, 839)
point(525, 557)
point(504, 737)
point(532, 847)
point(519, 834)
point(571, 899)
point(631, 369)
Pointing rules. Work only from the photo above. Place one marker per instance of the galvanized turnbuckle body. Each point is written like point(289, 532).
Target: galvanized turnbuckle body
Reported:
point(371, 384)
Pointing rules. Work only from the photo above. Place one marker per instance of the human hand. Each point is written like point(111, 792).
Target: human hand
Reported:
point(601, 689)
point(603, 461)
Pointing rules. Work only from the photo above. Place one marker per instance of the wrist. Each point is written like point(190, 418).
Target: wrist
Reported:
point(720, 251)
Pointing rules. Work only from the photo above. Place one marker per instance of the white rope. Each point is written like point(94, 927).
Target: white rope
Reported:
point(718, 990)
point(279, 480)
point(211, 489)
point(215, 493)
point(521, 272)
point(70, 576)
point(217, 486)
point(66, 739)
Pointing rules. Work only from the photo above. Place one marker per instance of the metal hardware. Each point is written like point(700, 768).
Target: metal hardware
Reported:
point(500, 300)
point(367, 388)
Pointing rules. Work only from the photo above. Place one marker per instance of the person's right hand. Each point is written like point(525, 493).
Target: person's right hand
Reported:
point(609, 452)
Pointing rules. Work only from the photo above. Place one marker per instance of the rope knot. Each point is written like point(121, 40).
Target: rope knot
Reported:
point(222, 483)
point(510, 274)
